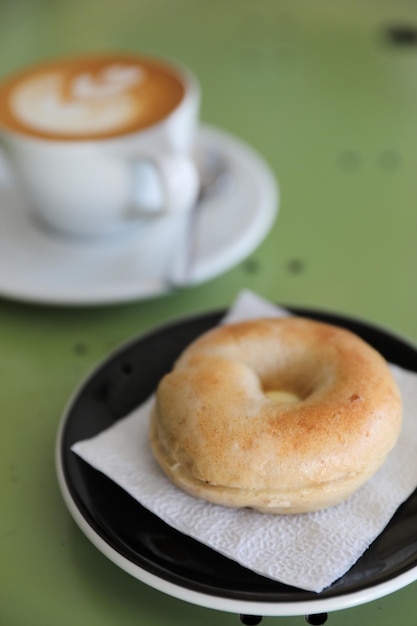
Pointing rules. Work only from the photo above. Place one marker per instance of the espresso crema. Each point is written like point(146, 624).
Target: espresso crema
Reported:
point(95, 97)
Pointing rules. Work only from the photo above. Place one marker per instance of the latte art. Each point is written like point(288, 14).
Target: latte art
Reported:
point(111, 80)
point(92, 107)
point(90, 98)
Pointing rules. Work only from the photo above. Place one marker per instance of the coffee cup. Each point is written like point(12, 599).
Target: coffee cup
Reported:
point(103, 141)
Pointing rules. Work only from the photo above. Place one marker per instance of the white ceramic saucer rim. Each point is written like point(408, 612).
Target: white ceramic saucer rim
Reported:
point(248, 165)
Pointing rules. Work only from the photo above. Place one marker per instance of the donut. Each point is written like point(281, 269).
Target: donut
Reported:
point(282, 415)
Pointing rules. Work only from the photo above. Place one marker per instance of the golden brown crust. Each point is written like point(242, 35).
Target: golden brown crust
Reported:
point(218, 436)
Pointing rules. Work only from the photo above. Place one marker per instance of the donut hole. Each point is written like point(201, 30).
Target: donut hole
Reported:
point(289, 386)
point(281, 396)
point(295, 377)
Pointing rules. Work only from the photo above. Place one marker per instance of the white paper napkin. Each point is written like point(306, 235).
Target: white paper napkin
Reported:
point(308, 551)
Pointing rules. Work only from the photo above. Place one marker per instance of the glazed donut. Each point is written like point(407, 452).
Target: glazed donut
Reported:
point(284, 415)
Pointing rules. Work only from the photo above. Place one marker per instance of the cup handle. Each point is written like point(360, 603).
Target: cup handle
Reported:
point(179, 181)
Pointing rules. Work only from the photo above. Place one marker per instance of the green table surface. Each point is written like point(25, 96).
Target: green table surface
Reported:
point(327, 93)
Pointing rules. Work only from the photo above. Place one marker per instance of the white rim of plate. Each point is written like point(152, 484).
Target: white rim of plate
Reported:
point(212, 601)
point(230, 605)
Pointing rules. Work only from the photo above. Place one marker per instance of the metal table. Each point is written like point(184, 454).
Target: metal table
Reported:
point(327, 93)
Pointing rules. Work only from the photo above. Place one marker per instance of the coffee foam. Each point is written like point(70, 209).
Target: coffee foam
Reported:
point(38, 104)
point(90, 98)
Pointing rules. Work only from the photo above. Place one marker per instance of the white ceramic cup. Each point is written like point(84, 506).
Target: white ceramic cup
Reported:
point(98, 142)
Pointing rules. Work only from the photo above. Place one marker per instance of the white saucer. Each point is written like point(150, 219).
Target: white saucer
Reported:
point(38, 266)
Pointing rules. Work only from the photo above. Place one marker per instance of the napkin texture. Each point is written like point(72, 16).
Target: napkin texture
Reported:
point(308, 551)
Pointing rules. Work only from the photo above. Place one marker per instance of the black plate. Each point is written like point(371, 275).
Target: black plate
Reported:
point(124, 381)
